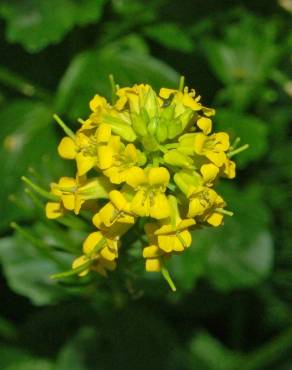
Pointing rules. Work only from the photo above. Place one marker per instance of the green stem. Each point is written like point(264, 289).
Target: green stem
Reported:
point(72, 272)
point(167, 277)
point(12, 80)
point(237, 151)
point(181, 83)
point(39, 190)
point(38, 243)
point(113, 88)
point(66, 129)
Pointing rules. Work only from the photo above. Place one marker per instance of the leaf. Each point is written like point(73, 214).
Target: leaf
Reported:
point(171, 36)
point(12, 358)
point(38, 23)
point(28, 271)
point(88, 74)
point(208, 353)
point(27, 140)
point(241, 56)
point(240, 253)
point(244, 63)
point(250, 129)
point(73, 354)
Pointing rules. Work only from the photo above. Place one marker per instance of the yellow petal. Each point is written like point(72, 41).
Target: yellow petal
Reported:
point(218, 158)
point(78, 203)
point(188, 101)
point(151, 251)
point(91, 241)
point(160, 208)
point(153, 265)
point(67, 183)
point(97, 221)
point(67, 148)
point(165, 242)
point(229, 169)
point(68, 201)
point(103, 133)
point(53, 210)
point(195, 208)
point(205, 124)
point(96, 102)
point(108, 254)
point(158, 176)
point(209, 172)
point(140, 204)
point(107, 215)
point(118, 199)
point(223, 139)
point(198, 143)
point(215, 219)
point(136, 177)
point(84, 163)
point(186, 237)
point(164, 92)
point(105, 156)
point(79, 262)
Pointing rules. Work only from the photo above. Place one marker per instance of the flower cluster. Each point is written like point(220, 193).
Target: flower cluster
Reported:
point(147, 155)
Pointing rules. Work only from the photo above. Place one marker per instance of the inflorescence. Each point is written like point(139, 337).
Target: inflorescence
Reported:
point(147, 155)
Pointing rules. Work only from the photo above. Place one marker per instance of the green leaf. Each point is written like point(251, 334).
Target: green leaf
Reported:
point(250, 129)
point(171, 36)
point(88, 74)
point(12, 358)
point(73, 354)
point(28, 270)
point(241, 56)
point(240, 253)
point(28, 140)
point(38, 23)
point(207, 353)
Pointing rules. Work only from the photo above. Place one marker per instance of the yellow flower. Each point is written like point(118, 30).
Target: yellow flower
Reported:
point(116, 211)
point(213, 147)
point(54, 210)
point(74, 192)
point(229, 169)
point(173, 235)
point(184, 100)
point(97, 264)
point(206, 206)
point(156, 157)
point(150, 185)
point(100, 242)
point(124, 159)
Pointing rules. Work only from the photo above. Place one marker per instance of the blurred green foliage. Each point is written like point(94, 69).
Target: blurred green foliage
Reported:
point(234, 302)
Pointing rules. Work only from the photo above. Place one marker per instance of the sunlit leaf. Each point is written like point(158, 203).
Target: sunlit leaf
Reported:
point(28, 139)
point(250, 129)
point(88, 74)
point(36, 24)
point(171, 36)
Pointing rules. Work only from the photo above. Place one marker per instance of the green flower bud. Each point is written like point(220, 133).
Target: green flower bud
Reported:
point(176, 158)
point(185, 179)
point(138, 124)
point(152, 125)
point(186, 117)
point(174, 129)
point(149, 143)
point(161, 132)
